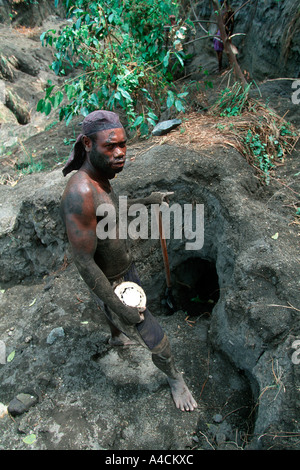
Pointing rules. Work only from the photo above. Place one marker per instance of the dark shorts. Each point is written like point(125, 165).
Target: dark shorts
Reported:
point(149, 330)
point(218, 44)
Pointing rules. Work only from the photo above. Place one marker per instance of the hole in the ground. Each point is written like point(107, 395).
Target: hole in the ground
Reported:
point(227, 391)
point(196, 286)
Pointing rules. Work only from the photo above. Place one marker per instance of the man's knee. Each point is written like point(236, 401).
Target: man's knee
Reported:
point(163, 349)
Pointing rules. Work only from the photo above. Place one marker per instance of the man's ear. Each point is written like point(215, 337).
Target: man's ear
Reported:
point(87, 143)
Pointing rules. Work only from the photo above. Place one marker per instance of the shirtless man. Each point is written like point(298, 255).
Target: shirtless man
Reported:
point(98, 155)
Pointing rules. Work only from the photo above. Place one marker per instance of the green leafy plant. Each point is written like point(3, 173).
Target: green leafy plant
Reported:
point(262, 136)
point(29, 164)
point(119, 49)
point(232, 101)
point(259, 151)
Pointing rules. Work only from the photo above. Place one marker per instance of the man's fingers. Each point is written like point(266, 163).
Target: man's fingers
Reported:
point(141, 310)
point(142, 318)
point(168, 194)
point(159, 196)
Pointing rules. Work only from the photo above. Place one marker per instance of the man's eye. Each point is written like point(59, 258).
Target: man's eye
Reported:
point(113, 146)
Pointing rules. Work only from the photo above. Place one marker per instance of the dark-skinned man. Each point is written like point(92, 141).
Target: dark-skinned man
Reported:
point(98, 155)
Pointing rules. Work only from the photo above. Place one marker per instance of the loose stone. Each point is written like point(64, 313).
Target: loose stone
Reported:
point(2, 352)
point(54, 334)
point(21, 403)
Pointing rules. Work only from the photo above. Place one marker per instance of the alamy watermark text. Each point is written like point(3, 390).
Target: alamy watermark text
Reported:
point(138, 221)
point(296, 93)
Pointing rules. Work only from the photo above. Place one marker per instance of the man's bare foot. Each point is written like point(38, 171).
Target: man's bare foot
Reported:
point(120, 340)
point(181, 395)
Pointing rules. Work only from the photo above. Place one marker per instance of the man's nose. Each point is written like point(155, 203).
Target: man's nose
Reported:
point(119, 152)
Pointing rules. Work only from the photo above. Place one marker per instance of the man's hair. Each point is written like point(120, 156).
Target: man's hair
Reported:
point(93, 138)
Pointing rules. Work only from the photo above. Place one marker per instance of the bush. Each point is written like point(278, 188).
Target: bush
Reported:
point(120, 49)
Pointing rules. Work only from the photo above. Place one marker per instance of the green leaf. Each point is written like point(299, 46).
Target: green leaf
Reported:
point(94, 99)
point(40, 106)
point(152, 116)
point(105, 91)
point(84, 111)
point(124, 93)
point(69, 91)
point(179, 106)
point(166, 59)
point(11, 356)
point(42, 36)
point(48, 91)
point(151, 122)
point(144, 129)
point(30, 439)
point(138, 121)
point(56, 66)
point(69, 118)
point(179, 59)
point(78, 23)
point(170, 99)
point(58, 99)
point(47, 107)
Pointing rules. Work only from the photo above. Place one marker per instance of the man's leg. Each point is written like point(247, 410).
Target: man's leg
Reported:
point(155, 340)
point(220, 54)
point(161, 357)
point(181, 395)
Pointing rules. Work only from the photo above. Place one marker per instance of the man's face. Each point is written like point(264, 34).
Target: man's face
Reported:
point(108, 152)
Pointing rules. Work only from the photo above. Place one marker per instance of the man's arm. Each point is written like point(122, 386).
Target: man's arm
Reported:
point(80, 220)
point(154, 198)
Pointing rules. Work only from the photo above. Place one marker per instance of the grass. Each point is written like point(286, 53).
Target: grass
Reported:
point(30, 164)
point(262, 136)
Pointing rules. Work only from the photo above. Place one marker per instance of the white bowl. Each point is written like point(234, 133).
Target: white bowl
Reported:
point(131, 294)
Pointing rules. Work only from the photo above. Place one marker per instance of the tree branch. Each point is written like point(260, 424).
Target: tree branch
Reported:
point(227, 46)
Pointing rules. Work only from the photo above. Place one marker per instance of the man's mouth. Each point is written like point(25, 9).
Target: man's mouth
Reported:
point(119, 164)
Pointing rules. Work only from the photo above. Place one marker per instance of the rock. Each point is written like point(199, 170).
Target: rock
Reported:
point(55, 334)
point(220, 438)
point(3, 410)
point(17, 106)
point(6, 115)
point(217, 418)
point(273, 55)
point(2, 352)
point(164, 127)
point(28, 219)
point(21, 403)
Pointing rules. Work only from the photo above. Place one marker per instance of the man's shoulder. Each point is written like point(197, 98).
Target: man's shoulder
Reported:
point(79, 183)
point(78, 196)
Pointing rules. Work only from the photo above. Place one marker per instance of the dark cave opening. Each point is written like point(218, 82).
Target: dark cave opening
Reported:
point(196, 286)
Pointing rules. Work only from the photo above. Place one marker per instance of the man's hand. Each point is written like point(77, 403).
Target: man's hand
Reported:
point(158, 197)
point(132, 315)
